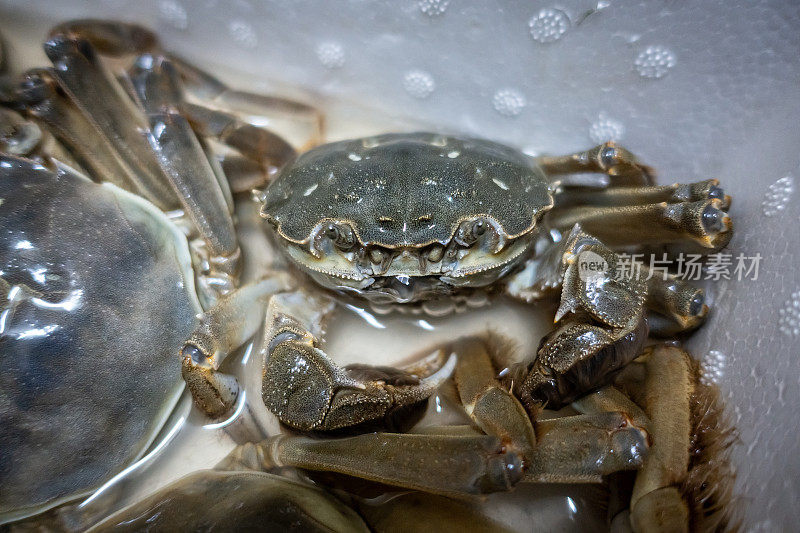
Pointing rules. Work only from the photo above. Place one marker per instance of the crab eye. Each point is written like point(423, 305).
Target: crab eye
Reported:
point(470, 231)
point(332, 232)
point(341, 235)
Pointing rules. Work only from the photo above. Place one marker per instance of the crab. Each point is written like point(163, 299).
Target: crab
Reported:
point(406, 221)
point(409, 222)
point(102, 273)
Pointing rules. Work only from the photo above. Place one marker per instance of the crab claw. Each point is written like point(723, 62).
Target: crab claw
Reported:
point(307, 391)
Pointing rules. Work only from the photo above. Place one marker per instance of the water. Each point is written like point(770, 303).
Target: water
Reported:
point(189, 441)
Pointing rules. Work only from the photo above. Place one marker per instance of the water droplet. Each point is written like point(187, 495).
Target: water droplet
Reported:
point(777, 196)
point(433, 8)
point(508, 102)
point(606, 129)
point(174, 14)
point(549, 25)
point(331, 55)
point(418, 83)
point(453, 154)
point(789, 321)
point(243, 33)
point(654, 62)
point(713, 366)
point(353, 157)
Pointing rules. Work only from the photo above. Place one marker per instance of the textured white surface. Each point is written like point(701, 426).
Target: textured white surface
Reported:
point(697, 88)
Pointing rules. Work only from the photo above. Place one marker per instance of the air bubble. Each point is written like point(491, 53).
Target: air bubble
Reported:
point(549, 25)
point(777, 196)
point(243, 33)
point(433, 8)
point(654, 62)
point(606, 129)
point(508, 102)
point(418, 83)
point(713, 366)
point(789, 321)
point(174, 14)
point(331, 55)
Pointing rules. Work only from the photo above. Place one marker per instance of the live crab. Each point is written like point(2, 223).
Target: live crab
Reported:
point(408, 222)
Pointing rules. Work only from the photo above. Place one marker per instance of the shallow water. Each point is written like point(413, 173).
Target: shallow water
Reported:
point(190, 441)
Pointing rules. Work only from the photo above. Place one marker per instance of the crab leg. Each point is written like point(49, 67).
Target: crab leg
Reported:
point(243, 174)
point(93, 89)
point(622, 196)
point(686, 477)
point(258, 144)
point(206, 88)
point(493, 408)
point(227, 325)
point(620, 165)
point(235, 117)
point(677, 305)
point(438, 463)
point(92, 149)
point(600, 323)
point(183, 160)
point(692, 213)
point(565, 450)
point(455, 460)
point(584, 448)
point(704, 222)
point(307, 391)
point(609, 398)
point(109, 38)
point(117, 39)
point(663, 382)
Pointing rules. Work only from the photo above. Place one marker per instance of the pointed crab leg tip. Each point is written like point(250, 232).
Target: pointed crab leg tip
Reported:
point(440, 376)
point(562, 310)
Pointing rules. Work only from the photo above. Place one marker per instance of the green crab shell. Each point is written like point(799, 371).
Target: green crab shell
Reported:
point(98, 295)
point(409, 189)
